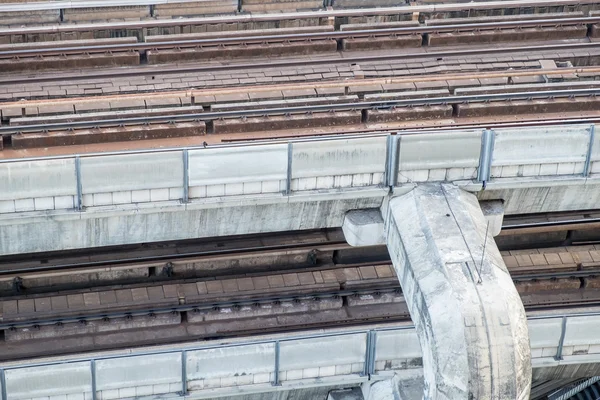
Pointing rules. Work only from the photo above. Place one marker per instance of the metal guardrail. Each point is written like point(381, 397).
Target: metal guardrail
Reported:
point(371, 336)
point(369, 356)
point(390, 164)
point(374, 105)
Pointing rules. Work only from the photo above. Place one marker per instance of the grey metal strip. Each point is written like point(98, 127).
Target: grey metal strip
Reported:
point(93, 372)
point(186, 176)
point(392, 160)
point(288, 182)
point(485, 157)
point(372, 352)
point(588, 156)
point(79, 186)
point(3, 383)
point(369, 359)
point(183, 373)
point(276, 371)
point(561, 342)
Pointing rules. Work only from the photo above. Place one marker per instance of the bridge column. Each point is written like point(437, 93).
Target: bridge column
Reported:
point(470, 320)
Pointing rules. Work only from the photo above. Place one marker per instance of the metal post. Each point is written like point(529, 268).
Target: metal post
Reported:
point(186, 176)
point(563, 332)
point(588, 156)
point(78, 180)
point(392, 159)
point(276, 372)
point(372, 352)
point(93, 371)
point(183, 373)
point(3, 383)
point(369, 354)
point(288, 183)
point(485, 158)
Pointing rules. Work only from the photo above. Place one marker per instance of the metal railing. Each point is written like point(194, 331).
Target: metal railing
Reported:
point(389, 165)
point(368, 359)
point(368, 370)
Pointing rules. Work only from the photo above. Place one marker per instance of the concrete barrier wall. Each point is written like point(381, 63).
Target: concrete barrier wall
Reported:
point(132, 178)
point(119, 378)
point(547, 151)
point(230, 366)
point(581, 336)
point(304, 361)
point(312, 358)
point(396, 350)
point(73, 380)
point(437, 157)
point(233, 171)
point(338, 163)
point(37, 185)
point(326, 166)
point(544, 335)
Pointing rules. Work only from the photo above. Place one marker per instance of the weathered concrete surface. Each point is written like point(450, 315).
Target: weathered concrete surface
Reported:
point(493, 211)
point(468, 314)
point(363, 227)
point(346, 394)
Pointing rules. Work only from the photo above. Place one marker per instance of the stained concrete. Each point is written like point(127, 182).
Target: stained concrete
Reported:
point(469, 317)
point(363, 227)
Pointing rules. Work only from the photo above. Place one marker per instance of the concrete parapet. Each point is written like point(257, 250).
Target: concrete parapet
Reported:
point(468, 314)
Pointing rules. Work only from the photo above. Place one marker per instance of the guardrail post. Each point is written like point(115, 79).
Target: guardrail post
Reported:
point(391, 162)
point(588, 156)
point(183, 373)
point(93, 372)
point(369, 366)
point(563, 332)
point(186, 176)
point(78, 180)
point(484, 170)
point(276, 372)
point(288, 182)
point(3, 382)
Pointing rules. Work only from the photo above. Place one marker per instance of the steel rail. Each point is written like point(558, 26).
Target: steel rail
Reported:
point(296, 37)
point(551, 223)
point(169, 257)
point(554, 275)
point(262, 17)
point(62, 4)
point(154, 69)
point(380, 104)
point(199, 306)
point(207, 305)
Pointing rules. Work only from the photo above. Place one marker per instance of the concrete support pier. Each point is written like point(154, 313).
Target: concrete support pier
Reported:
point(468, 314)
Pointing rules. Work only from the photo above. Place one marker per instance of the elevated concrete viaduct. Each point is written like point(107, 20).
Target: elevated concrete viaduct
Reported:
point(423, 186)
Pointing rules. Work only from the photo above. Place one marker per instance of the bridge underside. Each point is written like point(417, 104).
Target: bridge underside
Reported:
point(31, 232)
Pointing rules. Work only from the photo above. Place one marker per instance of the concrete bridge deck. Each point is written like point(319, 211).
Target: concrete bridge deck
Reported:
point(98, 200)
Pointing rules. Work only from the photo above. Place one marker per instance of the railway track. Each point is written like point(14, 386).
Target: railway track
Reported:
point(150, 69)
point(290, 38)
point(365, 105)
point(323, 291)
